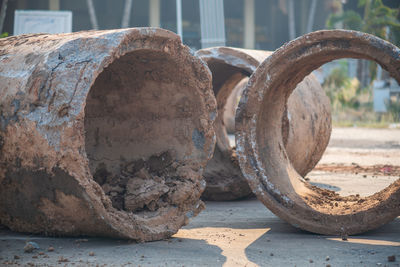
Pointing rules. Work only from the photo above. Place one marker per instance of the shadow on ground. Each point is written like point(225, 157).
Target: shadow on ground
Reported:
point(236, 233)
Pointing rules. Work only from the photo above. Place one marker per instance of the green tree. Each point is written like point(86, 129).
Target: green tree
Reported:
point(377, 19)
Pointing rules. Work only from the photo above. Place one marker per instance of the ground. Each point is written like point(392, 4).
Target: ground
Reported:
point(244, 233)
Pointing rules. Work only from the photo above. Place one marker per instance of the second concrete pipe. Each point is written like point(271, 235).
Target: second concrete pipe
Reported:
point(306, 124)
point(260, 144)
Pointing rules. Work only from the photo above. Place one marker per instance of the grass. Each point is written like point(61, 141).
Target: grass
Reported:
point(361, 124)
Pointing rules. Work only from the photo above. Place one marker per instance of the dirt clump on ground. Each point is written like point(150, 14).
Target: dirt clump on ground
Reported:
point(379, 169)
point(146, 185)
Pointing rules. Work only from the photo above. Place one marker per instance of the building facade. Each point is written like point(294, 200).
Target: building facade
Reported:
point(257, 24)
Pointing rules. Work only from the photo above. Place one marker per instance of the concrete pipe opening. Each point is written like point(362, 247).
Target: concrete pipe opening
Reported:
point(261, 152)
point(119, 126)
point(141, 133)
point(308, 114)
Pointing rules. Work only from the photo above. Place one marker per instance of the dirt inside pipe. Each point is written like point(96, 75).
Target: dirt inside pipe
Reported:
point(138, 121)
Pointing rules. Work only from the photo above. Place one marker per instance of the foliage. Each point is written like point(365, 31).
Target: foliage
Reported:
point(352, 105)
point(4, 34)
point(393, 108)
point(341, 89)
point(378, 19)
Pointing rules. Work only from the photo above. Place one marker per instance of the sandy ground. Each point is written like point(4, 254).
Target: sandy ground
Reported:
point(359, 161)
point(245, 233)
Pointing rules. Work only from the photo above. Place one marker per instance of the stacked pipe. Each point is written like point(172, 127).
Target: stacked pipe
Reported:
point(306, 124)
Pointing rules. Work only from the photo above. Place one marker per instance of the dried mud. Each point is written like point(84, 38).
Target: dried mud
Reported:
point(379, 169)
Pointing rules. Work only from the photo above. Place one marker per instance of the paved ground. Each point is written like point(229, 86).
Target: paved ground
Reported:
point(245, 233)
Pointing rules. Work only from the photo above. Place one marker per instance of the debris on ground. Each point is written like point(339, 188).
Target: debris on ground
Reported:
point(81, 240)
point(30, 246)
point(378, 169)
point(62, 259)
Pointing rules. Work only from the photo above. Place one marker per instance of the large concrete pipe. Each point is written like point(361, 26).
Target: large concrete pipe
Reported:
point(103, 133)
point(260, 147)
point(306, 125)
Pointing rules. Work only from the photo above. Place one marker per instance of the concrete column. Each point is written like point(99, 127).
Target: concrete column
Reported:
point(291, 20)
point(212, 23)
point(154, 13)
point(54, 4)
point(179, 29)
point(249, 24)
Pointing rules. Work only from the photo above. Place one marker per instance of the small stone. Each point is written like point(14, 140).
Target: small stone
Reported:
point(91, 253)
point(50, 249)
point(311, 261)
point(41, 253)
point(379, 264)
point(344, 237)
point(34, 256)
point(392, 258)
point(272, 254)
point(81, 240)
point(30, 246)
point(16, 257)
point(327, 258)
point(62, 259)
point(328, 265)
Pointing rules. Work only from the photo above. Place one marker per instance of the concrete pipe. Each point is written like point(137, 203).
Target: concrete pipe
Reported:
point(103, 133)
point(260, 147)
point(306, 126)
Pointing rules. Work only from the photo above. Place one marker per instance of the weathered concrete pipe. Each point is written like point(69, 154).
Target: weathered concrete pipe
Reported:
point(260, 147)
point(103, 133)
point(306, 124)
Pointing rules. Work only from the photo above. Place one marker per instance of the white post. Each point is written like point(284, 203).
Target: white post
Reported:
point(179, 18)
point(249, 24)
point(126, 14)
point(311, 16)
point(92, 14)
point(154, 13)
point(291, 18)
point(212, 23)
point(54, 4)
